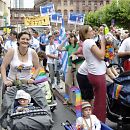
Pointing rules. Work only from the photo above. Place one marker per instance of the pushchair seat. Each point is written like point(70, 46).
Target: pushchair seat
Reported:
point(40, 118)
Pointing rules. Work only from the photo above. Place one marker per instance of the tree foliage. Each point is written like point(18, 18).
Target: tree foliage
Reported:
point(120, 12)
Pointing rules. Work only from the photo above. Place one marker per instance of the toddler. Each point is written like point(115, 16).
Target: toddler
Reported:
point(88, 121)
point(24, 101)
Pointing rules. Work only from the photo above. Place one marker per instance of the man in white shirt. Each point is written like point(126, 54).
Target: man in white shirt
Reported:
point(12, 42)
point(124, 53)
point(51, 55)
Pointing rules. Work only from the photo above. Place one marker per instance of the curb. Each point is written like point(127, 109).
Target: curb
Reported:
point(61, 98)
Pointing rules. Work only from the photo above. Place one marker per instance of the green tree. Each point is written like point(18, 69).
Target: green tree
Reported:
point(120, 12)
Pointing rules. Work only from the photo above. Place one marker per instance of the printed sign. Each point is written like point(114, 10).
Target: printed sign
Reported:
point(76, 18)
point(47, 9)
point(37, 21)
point(56, 18)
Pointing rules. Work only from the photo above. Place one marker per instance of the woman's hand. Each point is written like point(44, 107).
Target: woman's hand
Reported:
point(30, 81)
point(8, 83)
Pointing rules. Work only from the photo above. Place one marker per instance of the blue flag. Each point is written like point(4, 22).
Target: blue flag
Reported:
point(62, 37)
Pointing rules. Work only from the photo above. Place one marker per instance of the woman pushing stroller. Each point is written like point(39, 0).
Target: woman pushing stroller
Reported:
point(21, 60)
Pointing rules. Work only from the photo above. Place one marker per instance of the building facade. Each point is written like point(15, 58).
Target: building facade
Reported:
point(66, 6)
point(4, 13)
point(63, 6)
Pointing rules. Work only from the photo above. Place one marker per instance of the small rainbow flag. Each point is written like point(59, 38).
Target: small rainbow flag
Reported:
point(116, 91)
point(42, 77)
point(78, 102)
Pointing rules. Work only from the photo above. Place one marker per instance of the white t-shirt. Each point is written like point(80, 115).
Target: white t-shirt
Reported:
point(83, 68)
point(34, 43)
point(50, 49)
point(96, 125)
point(125, 46)
point(10, 44)
point(95, 66)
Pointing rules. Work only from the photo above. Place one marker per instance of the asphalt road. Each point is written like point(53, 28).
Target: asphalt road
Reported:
point(61, 114)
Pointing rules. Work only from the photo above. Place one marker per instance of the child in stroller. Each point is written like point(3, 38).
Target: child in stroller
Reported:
point(24, 101)
point(38, 118)
point(87, 121)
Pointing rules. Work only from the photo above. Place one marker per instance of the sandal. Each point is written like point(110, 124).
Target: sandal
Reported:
point(65, 103)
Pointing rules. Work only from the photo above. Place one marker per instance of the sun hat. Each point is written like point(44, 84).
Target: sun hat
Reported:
point(22, 94)
point(86, 104)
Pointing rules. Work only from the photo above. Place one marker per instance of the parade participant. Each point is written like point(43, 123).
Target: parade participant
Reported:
point(24, 101)
point(88, 121)
point(84, 85)
point(21, 60)
point(12, 42)
point(109, 56)
point(51, 56)
point(70, 78)
point(94, 57)
point(124, 53)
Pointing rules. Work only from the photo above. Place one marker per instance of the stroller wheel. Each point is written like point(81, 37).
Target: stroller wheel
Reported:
point(120, 126)
point(53, 108)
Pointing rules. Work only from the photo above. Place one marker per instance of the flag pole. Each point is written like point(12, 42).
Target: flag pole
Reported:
point(76, 23)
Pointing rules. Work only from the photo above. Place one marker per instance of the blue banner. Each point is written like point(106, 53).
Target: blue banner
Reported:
point(76, 18)
point(47, 9)
point(56, 18)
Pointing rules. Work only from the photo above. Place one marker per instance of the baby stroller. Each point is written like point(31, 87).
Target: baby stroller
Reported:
point(42, 82)
point(51, 100)
point(68, 126)
point(118, 100)
point(38, 119)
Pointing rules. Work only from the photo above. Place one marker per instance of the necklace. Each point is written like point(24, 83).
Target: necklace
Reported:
point(89, 128)
point(21, 53)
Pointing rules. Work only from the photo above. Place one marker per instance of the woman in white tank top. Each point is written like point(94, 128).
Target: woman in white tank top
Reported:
point(21, 61)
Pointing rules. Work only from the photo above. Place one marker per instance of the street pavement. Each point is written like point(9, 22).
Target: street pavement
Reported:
point(60, 115)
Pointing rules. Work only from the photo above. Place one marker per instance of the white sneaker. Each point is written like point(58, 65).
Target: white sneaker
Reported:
point(53, 86)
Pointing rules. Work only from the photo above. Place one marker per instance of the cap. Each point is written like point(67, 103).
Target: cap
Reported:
point(86, 104)
point(22, 94)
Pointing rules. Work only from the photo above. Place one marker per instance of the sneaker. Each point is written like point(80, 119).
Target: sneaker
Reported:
point(53, 86)
point(60, 86)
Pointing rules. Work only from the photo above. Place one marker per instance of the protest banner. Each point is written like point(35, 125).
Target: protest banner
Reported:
point(37, 21)
point(56, 18)
point(47, 9)
point(76, 18)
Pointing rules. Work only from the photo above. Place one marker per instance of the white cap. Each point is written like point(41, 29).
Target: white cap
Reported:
point(23, 94)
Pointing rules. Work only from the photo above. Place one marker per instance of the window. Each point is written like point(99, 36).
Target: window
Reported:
point(65, 12)
point(71, 2)
point(77, 10)
point(71, 10)
point(59, 2)
point(83, 11)
point(59, 11)
point(65, 2)
point(83, 2)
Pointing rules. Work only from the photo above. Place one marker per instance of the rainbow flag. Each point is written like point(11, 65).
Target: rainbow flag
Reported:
point(116, 91)
point(78, 102)
point(42, 77)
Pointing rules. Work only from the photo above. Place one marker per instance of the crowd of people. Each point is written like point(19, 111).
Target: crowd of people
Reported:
point(91, 51)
